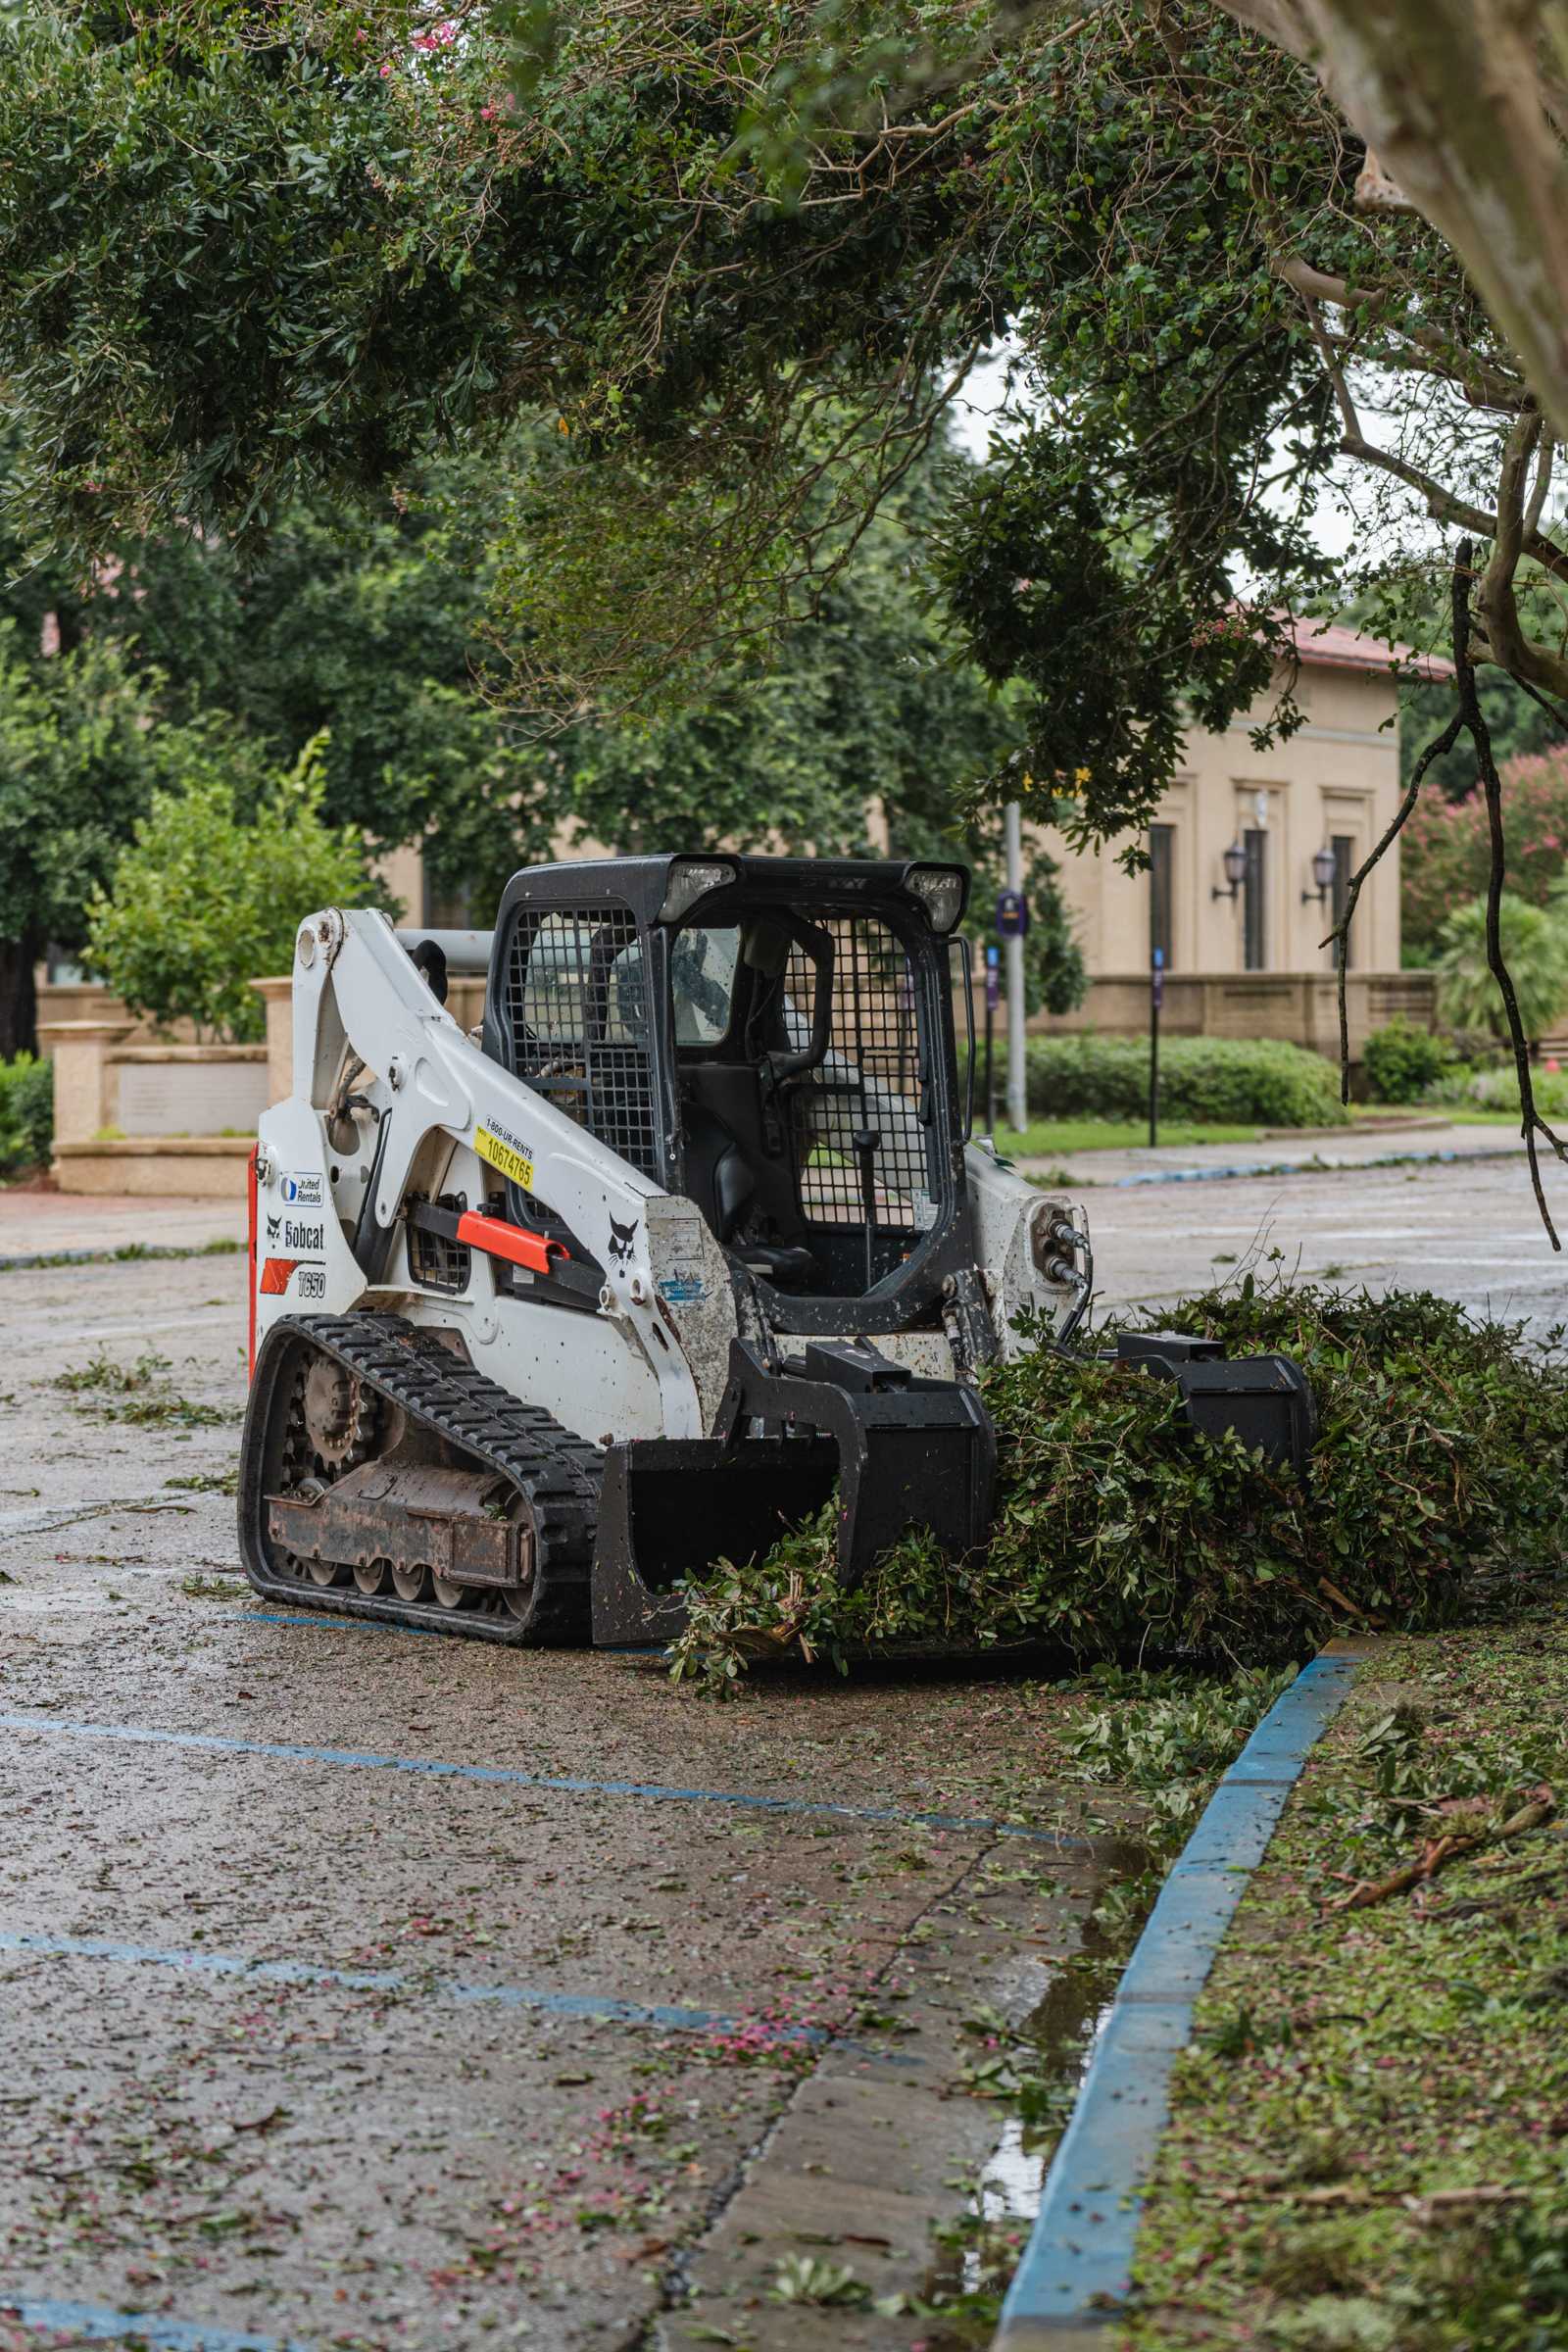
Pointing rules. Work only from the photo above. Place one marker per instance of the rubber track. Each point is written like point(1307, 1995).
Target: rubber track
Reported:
point(557, 1472)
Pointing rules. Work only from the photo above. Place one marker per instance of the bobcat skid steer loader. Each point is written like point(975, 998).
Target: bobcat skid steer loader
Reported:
point(683, 1237)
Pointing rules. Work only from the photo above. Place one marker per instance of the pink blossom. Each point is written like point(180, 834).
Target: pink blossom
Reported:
point(387, 69)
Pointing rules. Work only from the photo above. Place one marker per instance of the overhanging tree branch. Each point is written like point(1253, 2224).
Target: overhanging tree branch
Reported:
point(1339, 937)
point(1452, 96)
point(1532, 1123)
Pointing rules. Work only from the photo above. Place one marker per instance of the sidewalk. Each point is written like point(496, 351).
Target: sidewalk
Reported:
point(37, 1224)
point(1316, 1149)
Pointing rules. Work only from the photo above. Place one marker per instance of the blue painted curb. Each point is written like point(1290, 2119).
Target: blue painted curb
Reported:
point(1077, 2267)
point(1301, 1168)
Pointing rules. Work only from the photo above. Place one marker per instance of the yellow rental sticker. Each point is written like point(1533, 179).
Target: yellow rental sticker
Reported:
point(504, 1157)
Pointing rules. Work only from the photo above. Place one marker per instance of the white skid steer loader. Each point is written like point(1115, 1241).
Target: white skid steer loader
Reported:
point(683, 1240)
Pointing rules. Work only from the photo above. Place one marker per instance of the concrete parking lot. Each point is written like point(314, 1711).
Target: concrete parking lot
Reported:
point(365, 1989)
point(1468, 1227)
point(313, 2041)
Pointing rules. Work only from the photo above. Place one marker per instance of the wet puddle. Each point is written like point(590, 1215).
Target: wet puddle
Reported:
point(1054, 2045)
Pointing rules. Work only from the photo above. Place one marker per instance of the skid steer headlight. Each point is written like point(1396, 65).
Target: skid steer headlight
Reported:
point(690, 879)
point(940, 890)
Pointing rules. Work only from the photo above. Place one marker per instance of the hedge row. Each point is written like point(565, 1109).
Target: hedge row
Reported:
point(1232, 1081)
point(26, 1113)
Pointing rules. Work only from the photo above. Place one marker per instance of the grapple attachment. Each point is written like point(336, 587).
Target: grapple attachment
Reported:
point(902, 1451)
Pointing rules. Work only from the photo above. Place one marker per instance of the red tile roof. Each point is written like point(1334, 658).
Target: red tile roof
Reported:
point(1328, 645)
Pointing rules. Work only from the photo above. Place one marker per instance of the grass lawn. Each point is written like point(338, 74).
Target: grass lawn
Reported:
point(1369, 2139)
point(1042, 1135)
point(1465, 1114)
point(1044, 1138)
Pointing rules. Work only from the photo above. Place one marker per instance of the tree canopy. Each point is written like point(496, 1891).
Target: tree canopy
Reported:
point(734, 259)
point(731, 263)
point(177, 659)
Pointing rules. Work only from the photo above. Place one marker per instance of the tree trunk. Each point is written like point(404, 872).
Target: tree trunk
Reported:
point(19, 997)
point(1449, 94)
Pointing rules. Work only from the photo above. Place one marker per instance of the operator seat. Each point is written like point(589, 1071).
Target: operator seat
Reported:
point(721, 1181)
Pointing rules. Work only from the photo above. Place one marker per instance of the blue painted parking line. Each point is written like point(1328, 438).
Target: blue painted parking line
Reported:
point(589, 2008)
point(501, 1776)
point(102, 2323)
point(1077, 2267)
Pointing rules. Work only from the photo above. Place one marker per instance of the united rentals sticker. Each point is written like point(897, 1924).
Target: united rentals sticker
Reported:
point(304, 1191)
point(506, 1153)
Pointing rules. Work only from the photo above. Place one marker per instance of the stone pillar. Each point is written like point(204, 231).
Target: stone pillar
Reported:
point(278, 998)
point(83, 1088)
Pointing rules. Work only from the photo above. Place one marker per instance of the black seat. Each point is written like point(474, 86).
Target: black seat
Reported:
point(721, 1181)
point(717, 1177)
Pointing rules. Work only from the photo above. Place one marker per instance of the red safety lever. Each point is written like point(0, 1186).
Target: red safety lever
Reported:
point(513, 1242)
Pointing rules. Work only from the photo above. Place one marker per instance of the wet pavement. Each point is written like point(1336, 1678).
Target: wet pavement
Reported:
point(366, 1989)
point(1469, 1229)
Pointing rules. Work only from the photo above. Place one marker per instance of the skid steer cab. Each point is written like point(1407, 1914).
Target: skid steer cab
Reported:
point(682, 1238)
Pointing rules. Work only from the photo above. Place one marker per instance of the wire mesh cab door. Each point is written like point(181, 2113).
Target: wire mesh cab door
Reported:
point(818, 1094)
point(574, 1005)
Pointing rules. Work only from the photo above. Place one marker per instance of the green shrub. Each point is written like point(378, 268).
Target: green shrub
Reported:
point(1401, 1061)
point(1534, 949)
point(1498, 1088)
point(26, 1113)
point(202, 903)
point(1446, 847)
point(1442, 1443)
point(1224, 1080)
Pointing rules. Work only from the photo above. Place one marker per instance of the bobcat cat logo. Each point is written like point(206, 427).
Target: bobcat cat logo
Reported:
point(272, 1224)
point(621, 1238)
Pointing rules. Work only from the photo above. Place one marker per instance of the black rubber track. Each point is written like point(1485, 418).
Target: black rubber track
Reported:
point(557, 1472)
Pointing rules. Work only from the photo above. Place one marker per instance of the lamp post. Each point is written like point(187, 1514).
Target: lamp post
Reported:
point(1013, 837)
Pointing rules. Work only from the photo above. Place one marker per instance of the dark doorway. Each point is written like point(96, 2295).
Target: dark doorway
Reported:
point(1255, 884)
point(1161, 848)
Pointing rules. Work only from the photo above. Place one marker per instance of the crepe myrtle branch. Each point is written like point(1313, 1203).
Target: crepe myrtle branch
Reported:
point(1532, 1123)
point(1340, 934)
point(1485, 385)
point(1467, 720)
point(1560, 718)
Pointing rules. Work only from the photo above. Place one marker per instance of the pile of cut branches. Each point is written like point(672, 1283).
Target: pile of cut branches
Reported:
point(1118, 1531)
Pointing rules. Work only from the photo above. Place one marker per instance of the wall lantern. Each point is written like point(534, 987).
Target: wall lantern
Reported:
point(1235, 865)
point(1324, 868)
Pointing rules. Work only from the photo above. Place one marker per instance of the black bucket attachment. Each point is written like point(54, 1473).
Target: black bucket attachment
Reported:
point(1265, 1399)
point(902, 1452)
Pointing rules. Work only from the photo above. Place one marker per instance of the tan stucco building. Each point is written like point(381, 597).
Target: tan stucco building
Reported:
point(1257, 921)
